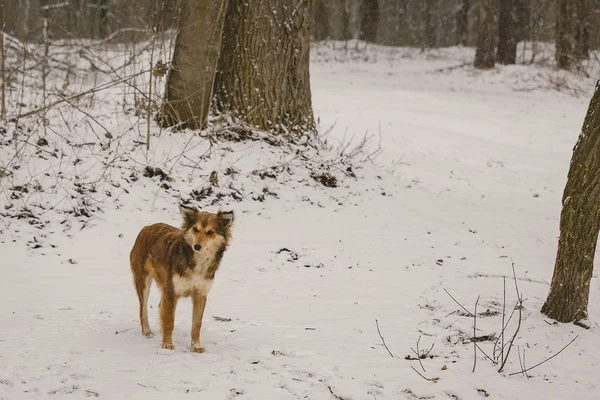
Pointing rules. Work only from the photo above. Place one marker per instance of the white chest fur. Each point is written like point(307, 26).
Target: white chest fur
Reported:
point(195, 281)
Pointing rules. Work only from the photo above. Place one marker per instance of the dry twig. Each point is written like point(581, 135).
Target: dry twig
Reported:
point(475, 334)
point(546, 360)
point(434, 380)
point(383, 340)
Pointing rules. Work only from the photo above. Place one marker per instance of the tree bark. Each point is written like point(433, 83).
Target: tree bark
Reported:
point(263, 71)
point(462, 23)
point(486, 35)
point(565, 40)
point(507, 32)
point(579, 225)
point(190, 80)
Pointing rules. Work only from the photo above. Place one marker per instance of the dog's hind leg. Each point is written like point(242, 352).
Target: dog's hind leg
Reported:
point(143, 282)
point(146, 331)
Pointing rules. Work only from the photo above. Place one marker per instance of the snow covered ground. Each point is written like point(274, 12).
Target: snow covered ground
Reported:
point(470, 176)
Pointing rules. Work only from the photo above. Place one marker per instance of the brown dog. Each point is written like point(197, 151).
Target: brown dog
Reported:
point(183, 263)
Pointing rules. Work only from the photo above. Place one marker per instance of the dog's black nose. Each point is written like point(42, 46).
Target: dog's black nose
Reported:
point(197, 247)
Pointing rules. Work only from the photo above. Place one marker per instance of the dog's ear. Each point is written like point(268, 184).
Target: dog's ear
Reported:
point(226, 218)
point(189, 215)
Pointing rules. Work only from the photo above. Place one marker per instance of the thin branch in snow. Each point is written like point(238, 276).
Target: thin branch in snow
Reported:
point(475, 334)
point(383, 340)
point(460, 305)
point(434, 380)
point(418, 354)
point(337, 396)
point(546, 360)
point(76, 96)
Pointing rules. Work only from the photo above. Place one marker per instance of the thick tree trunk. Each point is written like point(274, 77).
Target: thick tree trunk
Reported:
point(486, 35)
point(507, 32)
point(190, 81)
point(462, 23)
point(263, 72)
point(565, 40)
point(579, 225)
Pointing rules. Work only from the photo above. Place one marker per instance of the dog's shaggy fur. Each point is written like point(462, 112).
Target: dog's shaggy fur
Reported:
point(183, 262)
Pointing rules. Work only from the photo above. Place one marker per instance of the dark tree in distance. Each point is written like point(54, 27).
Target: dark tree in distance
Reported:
point(582, 28)
point(462, 23)
point(485, 54)
point(429, 34)
point(565, 39)
point(508, 32)
point(369, 12)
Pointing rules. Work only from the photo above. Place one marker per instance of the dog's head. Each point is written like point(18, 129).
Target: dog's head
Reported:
point(206, 231)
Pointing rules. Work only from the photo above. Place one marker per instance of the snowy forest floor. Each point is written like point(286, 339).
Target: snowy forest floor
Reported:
point(468, 179)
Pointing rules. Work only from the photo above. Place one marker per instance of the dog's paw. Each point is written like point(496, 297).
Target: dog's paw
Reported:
point(168, 346)
point(149, 334)
point(196, 348)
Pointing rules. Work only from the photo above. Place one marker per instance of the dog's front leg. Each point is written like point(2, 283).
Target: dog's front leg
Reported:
point(199, 301)
point(168, 303)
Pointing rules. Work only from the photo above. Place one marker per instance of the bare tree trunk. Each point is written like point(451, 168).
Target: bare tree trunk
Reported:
point(507, 32)
point(429, 36)
point(582, 32)
point(565, 40)
point(369, 22)
point(320, 20)
point(579, 225)
point(338, 20)
point(26, 13)
point(263, 72)
point(354, 18)
point(197, 47)
point(462, 23)
point(102, 21)
point(2, 66)
point(390, 24)
point(486, 35)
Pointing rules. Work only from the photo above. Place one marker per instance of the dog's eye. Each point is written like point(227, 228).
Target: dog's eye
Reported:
point(210, 233)
point(195, 229)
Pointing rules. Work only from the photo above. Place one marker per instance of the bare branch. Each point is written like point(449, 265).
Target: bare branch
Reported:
point(76, 96)
point(475, 334)
point(382, 340)
point(546, 360)
point(434, 380)
point(460, 305)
